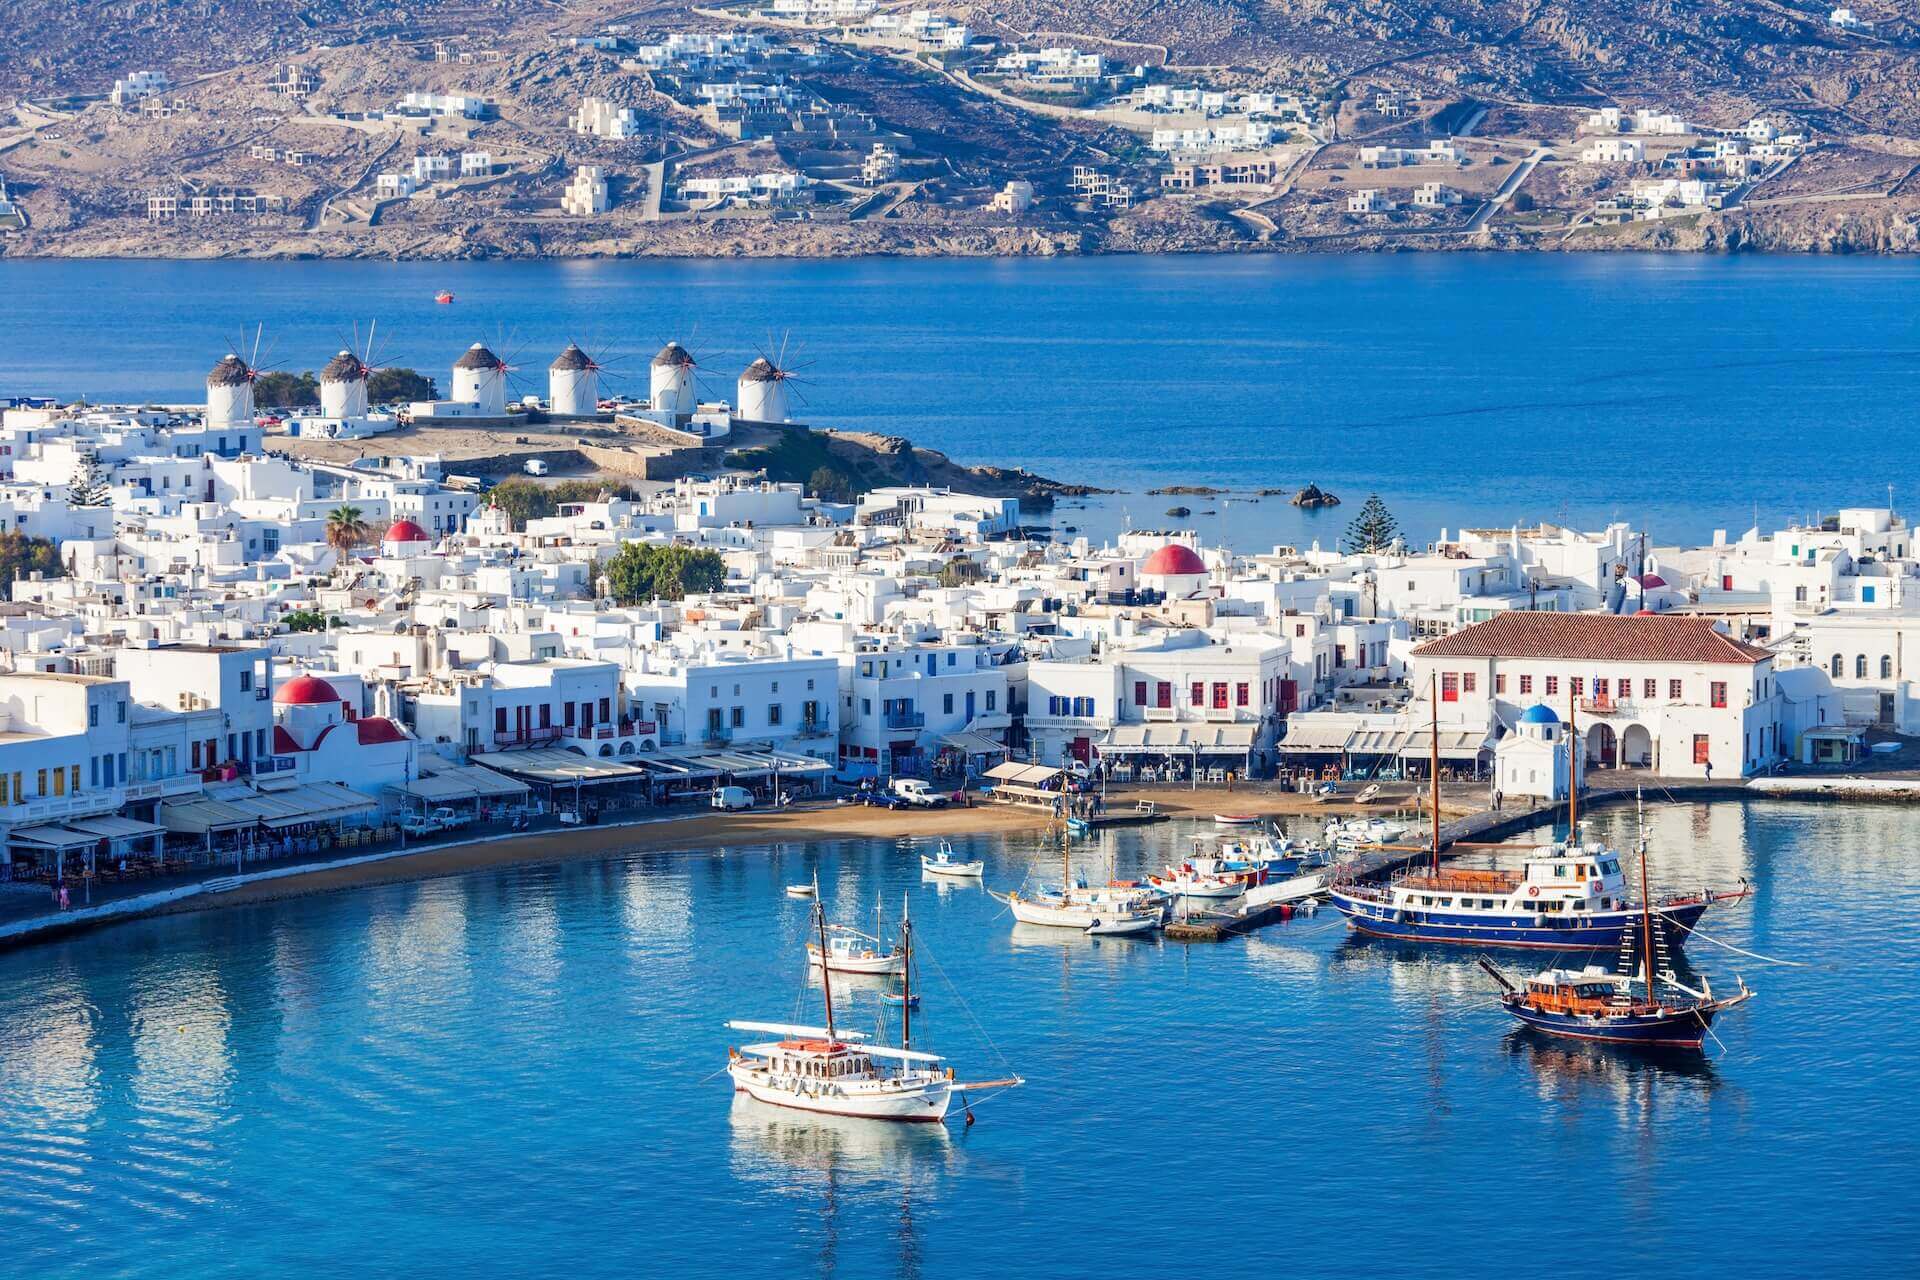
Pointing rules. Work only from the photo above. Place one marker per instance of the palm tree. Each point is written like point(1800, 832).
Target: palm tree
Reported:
point(346, 530)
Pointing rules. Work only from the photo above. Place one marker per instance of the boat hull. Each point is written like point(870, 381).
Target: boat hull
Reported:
point(953, 870)
point(1667, 1029)
point(1082, 915)
point(1598, 931)
point(873, 966)
point(916, 1104)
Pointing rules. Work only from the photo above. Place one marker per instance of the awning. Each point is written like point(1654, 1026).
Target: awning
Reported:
point(1318, 735)
point(973, 743)
point(198, 817)
point(1376, 742)
point(1159, 739)
point(1237, 738)
point(557, 766)
point(112, 828)
point(315, 802)
point(464, 782)
point(1455, 744)
point(53, 837)
point(1025, 775)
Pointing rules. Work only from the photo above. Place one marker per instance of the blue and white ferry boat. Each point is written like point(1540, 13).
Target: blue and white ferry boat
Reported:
point(1570, 898)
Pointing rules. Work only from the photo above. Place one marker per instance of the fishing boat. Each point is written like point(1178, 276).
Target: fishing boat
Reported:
point(800, 891)
point(1354, 833)
point(847, 950)
point(829, 1072)
point(1592, 1004)
point(904, 999)
point(443, 297)
point(1570, 896)
point(943, 863)
point(1236, 819)
point(1121, 907)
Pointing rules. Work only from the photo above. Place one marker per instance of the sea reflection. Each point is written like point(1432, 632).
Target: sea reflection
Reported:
point(1571, 1070)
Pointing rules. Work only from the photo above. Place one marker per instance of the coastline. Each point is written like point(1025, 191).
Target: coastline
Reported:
point(704, 831)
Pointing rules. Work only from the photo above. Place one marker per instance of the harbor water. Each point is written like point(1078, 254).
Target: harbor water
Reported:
point(513, 1073)
point(1683, 393)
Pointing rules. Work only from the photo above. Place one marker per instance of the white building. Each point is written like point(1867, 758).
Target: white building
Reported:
point(586, 195)
point(1662, 692)
point(602, 118)
point(137, 86)
point(1614, 151)
point(1535, 761)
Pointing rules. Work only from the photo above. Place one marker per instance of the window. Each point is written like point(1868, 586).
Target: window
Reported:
point(1220, 695)
point(1800, 595)
point(1886, 666)
point(1162, 695)
point(773, 713)
point(1526, 684)
point(946, 706)
point(1860, 667)
point(1499, 684)
point(60, 780)
point(950, 658)
point(1649, 689)
point(1866, 595)
point(1449, 687)
point(739, 717)
point(546, 715)
point(571, 712)
point(1553, 685)
point(1199, 694)
point(1702, 749)
point(1838, 665)
point(1717, 694)
point(93, 716)
point(43, 783)
point(1241, 694)
point(1673, 688)
point(1139, 693)
point(246, 682)
point(1577, 685)
point(993, 696)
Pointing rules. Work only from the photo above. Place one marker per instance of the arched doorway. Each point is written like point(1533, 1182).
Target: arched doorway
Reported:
point(1636, 747)
point(1603, 747)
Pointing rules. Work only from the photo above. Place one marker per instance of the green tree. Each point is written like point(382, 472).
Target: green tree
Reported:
point(305, 620)
point(286, 391)
point(88, 488)
point(392, 386)
point(1374, 529)
point(346, 530)
point(22, 557)
point(831, 484)
point(525, 500)
point(642, 571)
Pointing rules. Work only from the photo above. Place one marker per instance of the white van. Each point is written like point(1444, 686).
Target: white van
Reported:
point(915, 791)
point(731, 798)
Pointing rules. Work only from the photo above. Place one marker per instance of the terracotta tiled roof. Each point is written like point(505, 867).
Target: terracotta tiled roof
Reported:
point(1598, 637)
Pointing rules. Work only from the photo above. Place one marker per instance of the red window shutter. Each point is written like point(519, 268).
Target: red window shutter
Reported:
point(1199, 694)
point(1163, 694)
point(1240, 695)
point(1139, 693)
point(1469, 681)
point(1702, 749)
point(1220, 695)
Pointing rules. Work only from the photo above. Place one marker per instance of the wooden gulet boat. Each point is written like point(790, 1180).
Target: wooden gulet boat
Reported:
point(850, 951)
point(829, 1072)
point(1591, 1004)
point(1112, 910)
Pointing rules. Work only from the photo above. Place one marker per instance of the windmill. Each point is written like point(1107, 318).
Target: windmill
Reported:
point(768, 388)
point(573, 383)
point(671, 381)
point(230, 385)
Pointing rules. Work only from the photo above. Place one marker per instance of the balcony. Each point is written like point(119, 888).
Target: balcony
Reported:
point(813, 729)
point(906, 720)
point(718, 735)
point(1605, 706)
point(526, 737)
point(1159, 715)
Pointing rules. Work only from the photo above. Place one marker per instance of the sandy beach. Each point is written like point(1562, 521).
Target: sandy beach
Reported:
point(707, 830)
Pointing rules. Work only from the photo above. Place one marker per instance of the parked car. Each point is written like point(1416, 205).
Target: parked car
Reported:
point(732, 798)
point(917, 791)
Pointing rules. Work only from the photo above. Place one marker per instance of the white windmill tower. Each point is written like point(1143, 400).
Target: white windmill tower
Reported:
point(573, 384)
point(762, 393)
point(670, 386)
point(230, 392)
point(343, 388)
point(480, 378)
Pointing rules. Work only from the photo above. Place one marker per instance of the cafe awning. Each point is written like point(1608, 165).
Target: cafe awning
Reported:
point(52, 836)
point(110, 827)
point(464, 782)
point(1455, 744)
point(556, 766)
point(315, 802)
point(1024, 775)
point(973, 743)
point(199, 817)
point(1319, 735)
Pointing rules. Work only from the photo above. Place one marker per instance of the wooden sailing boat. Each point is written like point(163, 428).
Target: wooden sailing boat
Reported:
point(1114, 909)
point(1591, 1004)
point(830, 1072)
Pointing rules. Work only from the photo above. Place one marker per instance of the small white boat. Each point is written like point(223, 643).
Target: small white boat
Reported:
point(1236, 819)
point(850, 951)
point(800, 891)
point(943, 863)
point(1116, 924)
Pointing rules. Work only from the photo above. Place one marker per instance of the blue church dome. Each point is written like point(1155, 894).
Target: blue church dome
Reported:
point(1539, 713)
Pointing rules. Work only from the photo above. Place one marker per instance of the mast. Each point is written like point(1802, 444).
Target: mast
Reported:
point(826, 971)
point(1433, 694)
point(1646, 901)
point(1573, 775)
point(906, 976)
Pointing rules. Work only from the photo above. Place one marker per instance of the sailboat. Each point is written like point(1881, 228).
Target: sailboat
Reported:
point(1592, 1004)
point(1573, 896)
point(1114, 909)
point(836, 1073)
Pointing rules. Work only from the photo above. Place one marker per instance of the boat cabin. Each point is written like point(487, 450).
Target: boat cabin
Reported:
point(817, 1059)
point(1568, 991)
point(1579, 881)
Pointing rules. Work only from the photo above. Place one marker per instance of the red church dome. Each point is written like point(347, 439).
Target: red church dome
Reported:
point(405, 531)
point(1172, 560)
point(305, 691)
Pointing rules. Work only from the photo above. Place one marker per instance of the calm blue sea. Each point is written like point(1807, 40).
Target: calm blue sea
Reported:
point(511, 1074)
point(1688, 393)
